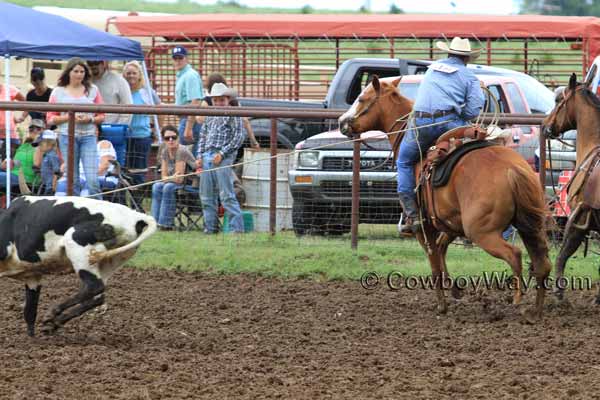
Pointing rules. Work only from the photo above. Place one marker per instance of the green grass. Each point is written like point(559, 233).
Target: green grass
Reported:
point(287, 256)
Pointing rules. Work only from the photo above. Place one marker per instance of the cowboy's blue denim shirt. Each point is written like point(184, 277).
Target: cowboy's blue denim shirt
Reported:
point(448, 84)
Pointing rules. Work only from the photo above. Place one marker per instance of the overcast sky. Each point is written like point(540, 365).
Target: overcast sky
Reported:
point(430, 6)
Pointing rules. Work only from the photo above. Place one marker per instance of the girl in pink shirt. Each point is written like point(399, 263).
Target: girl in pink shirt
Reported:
point(74, 86)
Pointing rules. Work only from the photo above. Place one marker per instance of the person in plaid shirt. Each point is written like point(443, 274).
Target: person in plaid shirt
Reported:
point(220, 139)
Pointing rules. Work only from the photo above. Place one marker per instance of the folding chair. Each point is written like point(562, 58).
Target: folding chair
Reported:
point(188, 208)
point(124, 195)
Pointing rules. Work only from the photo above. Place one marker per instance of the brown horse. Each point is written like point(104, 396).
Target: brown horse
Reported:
point(489, 189)
point(579, 109)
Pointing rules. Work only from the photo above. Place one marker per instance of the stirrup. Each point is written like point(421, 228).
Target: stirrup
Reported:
point(409, 227)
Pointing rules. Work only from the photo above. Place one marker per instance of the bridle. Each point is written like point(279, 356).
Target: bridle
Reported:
point(563, 103)
point(366, 109)
point(369, 105)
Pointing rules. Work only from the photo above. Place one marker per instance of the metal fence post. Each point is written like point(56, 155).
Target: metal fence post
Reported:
point(71, 151)
point(273, 187)
point(543, 159)
point(355, 193)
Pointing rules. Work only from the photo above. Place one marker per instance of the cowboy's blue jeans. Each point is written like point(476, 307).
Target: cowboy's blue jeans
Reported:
point(219, 184)
point(415, 143)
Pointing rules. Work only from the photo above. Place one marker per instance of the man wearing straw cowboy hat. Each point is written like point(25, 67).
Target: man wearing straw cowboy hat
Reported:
point(220, 139)
point(449, 96)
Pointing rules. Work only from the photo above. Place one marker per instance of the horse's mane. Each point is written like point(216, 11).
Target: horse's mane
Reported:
point(591, 98)
point(402, 96)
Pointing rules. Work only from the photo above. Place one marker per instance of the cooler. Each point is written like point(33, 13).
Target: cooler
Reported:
point(117, 135)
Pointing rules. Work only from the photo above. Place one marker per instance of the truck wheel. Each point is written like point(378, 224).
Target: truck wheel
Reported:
point(337, 228)
point(335, 224)
point(302, 217)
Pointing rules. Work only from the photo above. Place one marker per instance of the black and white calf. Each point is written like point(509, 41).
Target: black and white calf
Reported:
point(52, 235)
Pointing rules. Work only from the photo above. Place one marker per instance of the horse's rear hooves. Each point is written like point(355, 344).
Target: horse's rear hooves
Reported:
point(531, 317)
point(441, 310)
point(456, 292)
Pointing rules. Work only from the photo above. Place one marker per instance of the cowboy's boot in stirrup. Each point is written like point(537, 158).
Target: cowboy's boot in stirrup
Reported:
point(410, 223)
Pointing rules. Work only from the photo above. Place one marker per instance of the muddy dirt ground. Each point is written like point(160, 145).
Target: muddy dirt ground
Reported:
point(170, 335)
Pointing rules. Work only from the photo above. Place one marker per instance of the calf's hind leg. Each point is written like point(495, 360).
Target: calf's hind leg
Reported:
point(90, 294)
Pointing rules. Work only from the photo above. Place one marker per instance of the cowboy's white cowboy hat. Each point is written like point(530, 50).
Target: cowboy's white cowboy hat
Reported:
point(458, 46)
point(220, 89)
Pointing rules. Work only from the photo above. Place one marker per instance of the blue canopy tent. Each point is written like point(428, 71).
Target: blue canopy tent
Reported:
point(28, 33)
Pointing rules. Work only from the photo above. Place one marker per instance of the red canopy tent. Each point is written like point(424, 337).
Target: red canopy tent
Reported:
point(587, 29)
point(295, 55)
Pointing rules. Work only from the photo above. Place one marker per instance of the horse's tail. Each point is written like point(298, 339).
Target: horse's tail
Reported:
point(530, 210)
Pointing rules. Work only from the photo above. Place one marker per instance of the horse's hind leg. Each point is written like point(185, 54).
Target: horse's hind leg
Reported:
point(443, 250)
point(537, 247)
point(495, 245)
point(571, 242)
point(436, 271)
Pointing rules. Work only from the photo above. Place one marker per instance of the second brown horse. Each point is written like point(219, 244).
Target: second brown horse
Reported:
point(489, 189)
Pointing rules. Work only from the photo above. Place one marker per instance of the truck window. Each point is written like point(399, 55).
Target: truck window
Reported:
point(515, 97)
point(363, 77)
point(497, 92)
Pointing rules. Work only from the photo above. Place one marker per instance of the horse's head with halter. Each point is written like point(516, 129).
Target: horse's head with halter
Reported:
point(364, 114)
point(562, 118)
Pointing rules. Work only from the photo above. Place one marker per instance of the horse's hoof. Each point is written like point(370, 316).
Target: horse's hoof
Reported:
point(442, 310)
point(456, 292)
point(559, 294)
point(531, 316)
point(597, 300)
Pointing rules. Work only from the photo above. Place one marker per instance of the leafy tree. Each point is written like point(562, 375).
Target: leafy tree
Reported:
point(561, 7)
point(306, 9)
point(394, 9)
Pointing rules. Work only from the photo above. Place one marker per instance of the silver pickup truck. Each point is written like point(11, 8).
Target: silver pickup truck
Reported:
point(321, 181)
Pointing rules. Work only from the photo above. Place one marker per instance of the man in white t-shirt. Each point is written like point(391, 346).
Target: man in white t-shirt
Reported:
point(113, 88)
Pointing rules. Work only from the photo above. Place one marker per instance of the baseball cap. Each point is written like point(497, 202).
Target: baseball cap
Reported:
point(37, 123)
point(179, 51)
point(45, 135)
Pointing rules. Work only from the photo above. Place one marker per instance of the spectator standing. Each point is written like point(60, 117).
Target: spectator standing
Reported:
point(188, 91)
point(49, 160)
point(220, 139)
point(218, 78)
point(174, 159)
point(140, 136)
point(75, 86)
point(113, 89)
point(14, 95)
point(40, 92)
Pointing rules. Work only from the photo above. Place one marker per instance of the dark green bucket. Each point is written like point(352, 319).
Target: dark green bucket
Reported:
point(248, 222)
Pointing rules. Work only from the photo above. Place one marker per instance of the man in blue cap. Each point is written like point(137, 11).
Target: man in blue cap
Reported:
point(449, 96)
point(188, 91)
